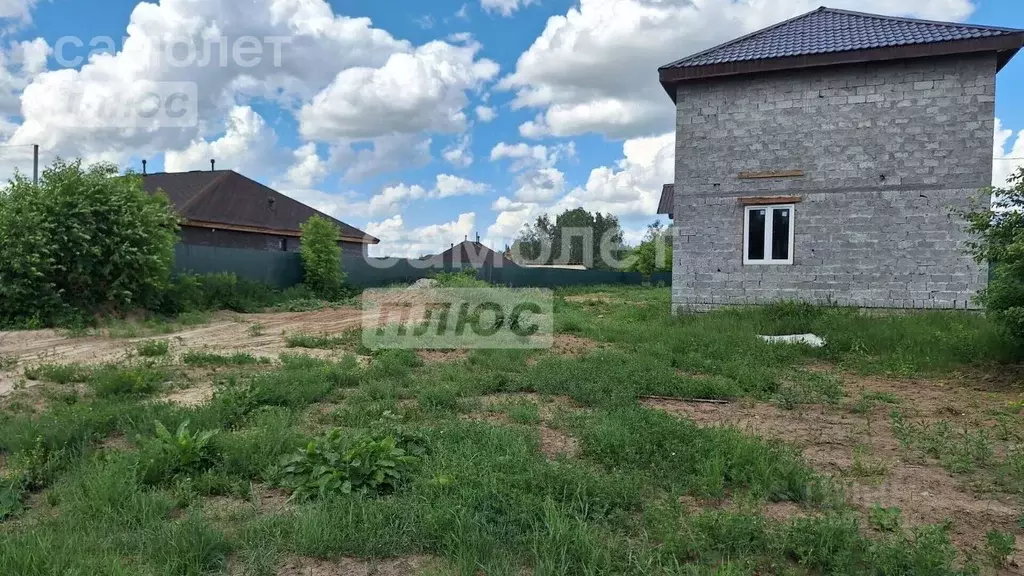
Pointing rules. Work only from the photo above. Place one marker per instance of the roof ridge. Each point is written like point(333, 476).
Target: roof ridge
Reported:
point(746, 36)
point(916, 20)
point(202, 192)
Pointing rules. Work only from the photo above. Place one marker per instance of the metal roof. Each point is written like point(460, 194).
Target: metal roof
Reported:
point(227, 197)
point(828, 36)
point(668, 197)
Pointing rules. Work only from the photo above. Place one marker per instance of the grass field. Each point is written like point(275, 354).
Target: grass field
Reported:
point(641, 443)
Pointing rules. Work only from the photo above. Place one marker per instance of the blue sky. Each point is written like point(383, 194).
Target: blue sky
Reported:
point(421, 122)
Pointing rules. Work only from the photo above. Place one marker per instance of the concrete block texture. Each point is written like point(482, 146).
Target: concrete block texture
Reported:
point(884, 176)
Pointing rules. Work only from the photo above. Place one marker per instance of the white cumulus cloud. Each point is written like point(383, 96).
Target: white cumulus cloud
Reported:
point(246, 142)
point(424, 90)
point(1008, 159)
point(396, 239)
point(594, 69)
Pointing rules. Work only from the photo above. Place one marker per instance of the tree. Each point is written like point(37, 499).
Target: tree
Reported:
point(999, 241)
point(321, 257)
point(83, 240)
point(654, 254)
point(575, 237)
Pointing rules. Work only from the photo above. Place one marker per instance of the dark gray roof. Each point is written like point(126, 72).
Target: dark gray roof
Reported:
point(668, 197)
point(827, 30)
point(227, 197)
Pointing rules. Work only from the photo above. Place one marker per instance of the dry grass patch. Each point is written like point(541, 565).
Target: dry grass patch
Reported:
point(348, 566)
point(855, 443)
point(195, 395)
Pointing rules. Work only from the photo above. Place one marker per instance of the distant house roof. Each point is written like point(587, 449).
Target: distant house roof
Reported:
point(667, 202)
point(229, 199)
point(828, 36)
point(470, 253)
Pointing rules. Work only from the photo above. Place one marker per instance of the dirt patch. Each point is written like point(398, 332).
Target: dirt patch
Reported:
point(264, 500)
point(11, 380)
point(555, 443)
point(194, 396)
point(434, 356)
point(227, 334)
point(572, 345)
point(595, 298)
point(348, 566)
point(117, 441)
point(860, 450)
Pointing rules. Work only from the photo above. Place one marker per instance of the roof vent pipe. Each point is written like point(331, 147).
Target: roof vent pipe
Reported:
point(143, 167)
point(212, 164)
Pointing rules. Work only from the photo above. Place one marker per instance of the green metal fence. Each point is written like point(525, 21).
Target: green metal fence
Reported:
point(284, 269)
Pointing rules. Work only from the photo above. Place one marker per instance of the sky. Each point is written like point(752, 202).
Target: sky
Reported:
point(422, 123)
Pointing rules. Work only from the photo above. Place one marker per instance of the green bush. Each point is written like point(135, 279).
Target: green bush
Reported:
point(999, 241)
point(225, 291)
point(334, 464)
point(465, 278)
point(654, 254)
point(321, 257)
point(82, 241)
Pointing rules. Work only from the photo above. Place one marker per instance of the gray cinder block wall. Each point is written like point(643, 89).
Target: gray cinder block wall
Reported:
point(887, 149)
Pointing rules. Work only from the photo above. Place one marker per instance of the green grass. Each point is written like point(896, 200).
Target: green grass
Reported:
point(152, 348)
point(197, 358)
point(484, 498)
point(59, 373)
point(323, 341)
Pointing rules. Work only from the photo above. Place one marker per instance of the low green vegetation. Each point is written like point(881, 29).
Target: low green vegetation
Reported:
point(351, 340)
point(393, 456)
point(152, 348)
point(998, 241)
point(465, 278)
point(197, 358)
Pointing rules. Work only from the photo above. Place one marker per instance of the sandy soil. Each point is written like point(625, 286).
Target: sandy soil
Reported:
point(829, 435)
point(225, 335)
point(401, 566)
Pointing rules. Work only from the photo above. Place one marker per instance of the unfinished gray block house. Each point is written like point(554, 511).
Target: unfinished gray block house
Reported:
point(819, 160)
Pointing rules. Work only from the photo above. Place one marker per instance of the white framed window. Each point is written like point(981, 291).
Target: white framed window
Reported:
point(768, 234)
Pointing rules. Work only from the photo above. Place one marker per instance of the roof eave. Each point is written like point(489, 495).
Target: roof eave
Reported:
point(1005, 45)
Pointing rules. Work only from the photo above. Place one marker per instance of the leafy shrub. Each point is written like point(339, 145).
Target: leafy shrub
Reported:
point(192, 292)
point(152, 348)
point(182, 453)
point(84, 240)
point(999, 241)
point(333, 464)
point(884, 519)
point(654, 254)
point(999, 546)
point(321, 257)
point(465, 278)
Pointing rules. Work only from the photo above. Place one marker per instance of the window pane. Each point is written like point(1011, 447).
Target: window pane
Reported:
point(755, 235)
point(780, 234)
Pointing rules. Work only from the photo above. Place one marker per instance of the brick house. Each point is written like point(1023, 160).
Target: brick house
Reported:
point(819, 160)
point(224, 208)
